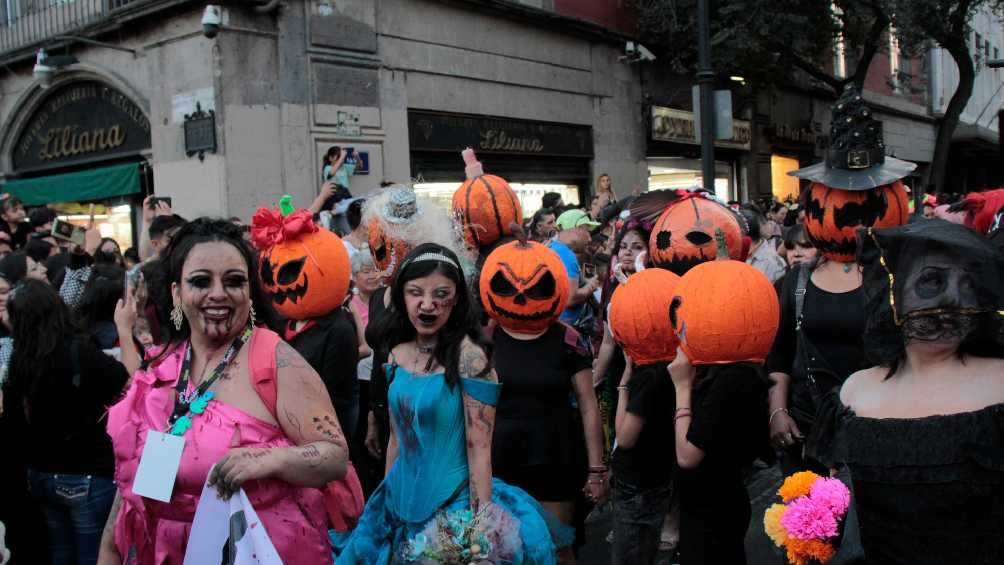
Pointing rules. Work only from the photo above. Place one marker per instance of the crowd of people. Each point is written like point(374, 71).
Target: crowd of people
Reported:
point(386, 381)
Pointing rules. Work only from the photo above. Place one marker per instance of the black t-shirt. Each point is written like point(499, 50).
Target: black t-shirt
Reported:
point(332, 349)
point(651, 462)
point(535, 420)
point(378, 376)
point(19, 236)
point(729, 424)
point(64, 414)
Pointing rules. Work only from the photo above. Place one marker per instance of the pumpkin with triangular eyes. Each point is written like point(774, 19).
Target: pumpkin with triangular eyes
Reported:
point(833, 216)
point(684, 234)
point(387, 252)
point(524, 286)
point(303, 269)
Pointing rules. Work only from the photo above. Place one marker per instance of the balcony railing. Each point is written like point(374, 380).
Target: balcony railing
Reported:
point(26, 23)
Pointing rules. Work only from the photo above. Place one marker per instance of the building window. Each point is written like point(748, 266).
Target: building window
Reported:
point(895, 62)
point(839, 46)
point(782, 186)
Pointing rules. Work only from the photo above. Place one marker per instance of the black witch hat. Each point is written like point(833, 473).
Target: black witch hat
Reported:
point(856, 159)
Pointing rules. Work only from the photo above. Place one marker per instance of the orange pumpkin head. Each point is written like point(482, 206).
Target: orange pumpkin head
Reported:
point(524, 286)
point(485, 205)
point(684, 235)
point(725, 312)
point(387, 252)
point(833, 216)
point(303, 269)
point(639, 316)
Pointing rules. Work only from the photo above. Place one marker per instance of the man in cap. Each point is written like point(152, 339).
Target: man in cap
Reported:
point(571, 240)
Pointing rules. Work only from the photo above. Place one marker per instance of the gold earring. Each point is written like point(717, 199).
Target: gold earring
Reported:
point(177, 316)
point(251, 317)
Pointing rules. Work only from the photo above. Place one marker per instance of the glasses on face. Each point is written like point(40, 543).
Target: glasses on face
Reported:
point(802, 244)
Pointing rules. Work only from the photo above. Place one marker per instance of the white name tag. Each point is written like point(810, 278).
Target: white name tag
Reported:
point(158, 466)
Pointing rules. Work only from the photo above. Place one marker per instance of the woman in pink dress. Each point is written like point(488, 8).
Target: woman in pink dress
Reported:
point(254, 409)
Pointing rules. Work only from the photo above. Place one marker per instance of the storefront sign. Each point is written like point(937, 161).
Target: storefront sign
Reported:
point(788, 134)
point(670, 124)
point(451, 132)
point(80, 122)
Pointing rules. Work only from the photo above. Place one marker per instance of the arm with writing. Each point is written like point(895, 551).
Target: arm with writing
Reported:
point(108, 553)
point(479, 423)
point(306, 416)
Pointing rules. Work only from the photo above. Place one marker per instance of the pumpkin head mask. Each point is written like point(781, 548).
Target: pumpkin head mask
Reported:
point(725, 311)
point(684, 234)
point(524, 286)
point(485, 205)
point(833, 215)
point(639, 316)
point(304, 269)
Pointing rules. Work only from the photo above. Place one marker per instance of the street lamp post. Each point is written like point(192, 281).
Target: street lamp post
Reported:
point(705, 81)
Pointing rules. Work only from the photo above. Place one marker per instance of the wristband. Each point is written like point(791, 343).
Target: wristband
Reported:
point(679, 415)
point(775, 412)
point(598, 469)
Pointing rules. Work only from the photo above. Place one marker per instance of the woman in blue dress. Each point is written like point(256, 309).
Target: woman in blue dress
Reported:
point(438, 502)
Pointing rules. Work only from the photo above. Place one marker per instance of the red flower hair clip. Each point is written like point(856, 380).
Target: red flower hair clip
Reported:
point(269, 227)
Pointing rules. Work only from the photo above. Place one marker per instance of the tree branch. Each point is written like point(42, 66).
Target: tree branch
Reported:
point(871, 47)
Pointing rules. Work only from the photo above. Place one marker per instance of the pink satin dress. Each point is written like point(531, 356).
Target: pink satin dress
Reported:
point(152, 532)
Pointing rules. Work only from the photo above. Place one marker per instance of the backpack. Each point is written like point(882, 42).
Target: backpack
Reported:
point(343, 500)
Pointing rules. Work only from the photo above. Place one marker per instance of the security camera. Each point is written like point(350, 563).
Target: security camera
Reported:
point(211, 21)
point(42, 72)
point(634, 52)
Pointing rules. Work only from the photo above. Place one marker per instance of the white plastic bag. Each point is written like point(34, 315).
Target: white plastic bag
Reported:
point(228, 532)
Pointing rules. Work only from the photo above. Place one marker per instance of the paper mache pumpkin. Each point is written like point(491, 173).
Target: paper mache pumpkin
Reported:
point(639, 316)
point(387, 252)
point(684, 234)
point(303, 269)
point(485, 205)
point(725, 311)
point(833, 216)
point(524, 286)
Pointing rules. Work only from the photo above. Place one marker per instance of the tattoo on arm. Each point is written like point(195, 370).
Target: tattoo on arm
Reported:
point(329, 429)
point(311, 455)
point(286, 356)
point(480, 424)
point(473, 363)
point(294, 422)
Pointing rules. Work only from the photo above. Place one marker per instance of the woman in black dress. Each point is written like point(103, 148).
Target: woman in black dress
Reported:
point(921, 432)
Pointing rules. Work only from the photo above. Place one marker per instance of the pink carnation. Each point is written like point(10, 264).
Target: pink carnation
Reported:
point(832, 494)
point(807, 519)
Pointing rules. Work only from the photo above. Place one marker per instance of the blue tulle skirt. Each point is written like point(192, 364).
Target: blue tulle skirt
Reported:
point(522, 532)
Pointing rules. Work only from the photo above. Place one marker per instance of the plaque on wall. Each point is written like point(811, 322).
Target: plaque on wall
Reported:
point(429, 131)
point(81, 122)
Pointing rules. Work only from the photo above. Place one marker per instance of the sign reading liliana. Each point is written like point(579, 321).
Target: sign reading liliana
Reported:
point(430, 131)
point(81, 122)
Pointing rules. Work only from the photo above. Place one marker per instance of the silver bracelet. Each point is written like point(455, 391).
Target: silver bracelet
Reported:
point(775, 412)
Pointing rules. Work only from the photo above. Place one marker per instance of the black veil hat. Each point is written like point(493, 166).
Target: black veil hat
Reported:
point(856, 159)
point(887, 256)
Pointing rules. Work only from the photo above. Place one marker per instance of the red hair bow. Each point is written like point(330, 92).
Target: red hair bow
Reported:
point(269, 228)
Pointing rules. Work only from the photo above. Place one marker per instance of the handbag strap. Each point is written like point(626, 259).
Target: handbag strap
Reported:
point(804, 271)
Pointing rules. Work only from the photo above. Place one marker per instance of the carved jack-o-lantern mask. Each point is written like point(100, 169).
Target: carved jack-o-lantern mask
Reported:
point(303, 269)
point(524, 286)
point(684, 235)
point(387, 251)
point(833, 215)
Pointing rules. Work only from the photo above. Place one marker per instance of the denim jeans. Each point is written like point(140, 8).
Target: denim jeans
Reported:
point(638, 516)
point(76, 508)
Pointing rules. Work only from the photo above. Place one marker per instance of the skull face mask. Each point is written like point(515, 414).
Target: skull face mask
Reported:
point(939, 297)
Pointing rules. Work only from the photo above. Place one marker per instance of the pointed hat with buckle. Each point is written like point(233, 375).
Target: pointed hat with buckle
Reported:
point(856, 159)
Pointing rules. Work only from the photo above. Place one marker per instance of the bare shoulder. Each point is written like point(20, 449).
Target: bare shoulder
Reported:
point(288, 357)
point(861, 385)
point(474, 361)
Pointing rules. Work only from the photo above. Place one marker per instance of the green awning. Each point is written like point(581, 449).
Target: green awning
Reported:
point(93, 184)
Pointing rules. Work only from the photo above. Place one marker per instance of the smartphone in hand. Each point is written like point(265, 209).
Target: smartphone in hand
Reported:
point(61, 229)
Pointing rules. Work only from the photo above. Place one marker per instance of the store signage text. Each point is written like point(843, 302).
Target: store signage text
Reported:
point(431, 131)
point(81, 121)
point(670, 124)
point(784, 132)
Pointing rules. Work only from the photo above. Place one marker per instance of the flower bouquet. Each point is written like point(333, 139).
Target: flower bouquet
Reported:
point(808, 523)
point(461, 537)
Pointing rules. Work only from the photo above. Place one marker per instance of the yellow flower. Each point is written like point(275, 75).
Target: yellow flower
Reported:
point(772, 524)
point(797, 485)
point(802, 552)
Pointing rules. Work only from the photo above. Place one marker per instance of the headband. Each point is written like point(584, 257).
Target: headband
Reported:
point(433, 256)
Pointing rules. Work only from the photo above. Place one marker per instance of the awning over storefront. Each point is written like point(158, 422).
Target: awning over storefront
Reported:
point(93, 184)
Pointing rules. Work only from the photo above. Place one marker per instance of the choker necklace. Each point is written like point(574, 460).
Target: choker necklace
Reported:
point(424, 349)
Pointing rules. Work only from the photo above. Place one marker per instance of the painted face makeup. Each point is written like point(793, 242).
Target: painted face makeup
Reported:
point(631, 246)
point(429, 301)
point(937, 298)
point(214, 292)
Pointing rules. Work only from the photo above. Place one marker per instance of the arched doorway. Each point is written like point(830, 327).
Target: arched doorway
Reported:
point(84, 143)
